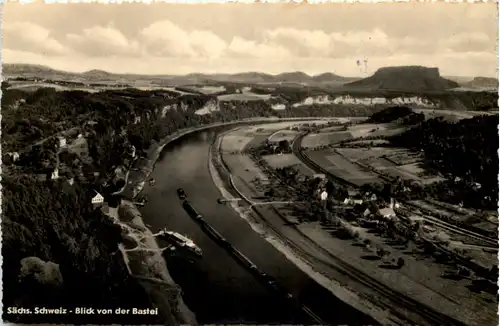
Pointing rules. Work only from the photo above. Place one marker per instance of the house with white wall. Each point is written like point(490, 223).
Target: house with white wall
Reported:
point(55, 174)
point(61, 141)
point(97, 200)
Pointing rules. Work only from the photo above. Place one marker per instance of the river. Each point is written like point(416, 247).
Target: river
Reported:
point(216, 288)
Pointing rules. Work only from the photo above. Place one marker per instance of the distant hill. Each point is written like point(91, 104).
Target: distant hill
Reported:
point(29, 70)
point(405, 78)
point(329, 77)
point(296, 77)
point(459, 79)
point(95, 73)
point(293, 77)
point(253, 77)
point(480, 82)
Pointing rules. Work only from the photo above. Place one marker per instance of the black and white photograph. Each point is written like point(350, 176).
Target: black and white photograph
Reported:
point(250, 163)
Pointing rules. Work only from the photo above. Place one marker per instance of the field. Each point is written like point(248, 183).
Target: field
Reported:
point(254, 136)
point(336, 134)
point(257, 141)
point(288, 135)
point(327, 138)
point(420, 277)
point(396, 162)
point(332, 129)
point(342, 167)
point(170, 89)
point(243, 162)
point(374, 130)
point(374, 142)
point(363, 154)
point(270, 127)
point(284, 160)
point(33, 87)
point(234, 143)
point(206, 89)
point(246, 96)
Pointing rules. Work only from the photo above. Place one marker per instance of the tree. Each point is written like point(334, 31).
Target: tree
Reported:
point(284, 145)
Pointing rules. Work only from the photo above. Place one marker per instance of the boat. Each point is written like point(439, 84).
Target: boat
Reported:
point(180, 242)
point(181, 193)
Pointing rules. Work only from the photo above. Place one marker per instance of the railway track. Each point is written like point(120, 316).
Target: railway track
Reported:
point(394, 298)
point(491, 243)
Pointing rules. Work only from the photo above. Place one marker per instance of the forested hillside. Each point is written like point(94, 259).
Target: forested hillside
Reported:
point(400, 114)
point(57, 249)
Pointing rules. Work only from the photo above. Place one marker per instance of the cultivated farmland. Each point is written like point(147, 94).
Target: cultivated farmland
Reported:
point(288, 135)
point(243, 163)
point(396, 162)
point(234, 143)
point(343, 168)
point(247, 96)
point(287, 160)
point(323, 139)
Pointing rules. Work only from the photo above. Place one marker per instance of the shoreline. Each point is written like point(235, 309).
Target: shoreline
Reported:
point(149, 267)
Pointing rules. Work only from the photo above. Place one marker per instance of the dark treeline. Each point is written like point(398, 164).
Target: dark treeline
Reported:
point(401, 114)
point(465, 152)
point(480, 101)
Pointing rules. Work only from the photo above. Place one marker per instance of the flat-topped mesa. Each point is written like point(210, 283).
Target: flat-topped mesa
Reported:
point(409, 78)
point(409, 71)
point(482, 82)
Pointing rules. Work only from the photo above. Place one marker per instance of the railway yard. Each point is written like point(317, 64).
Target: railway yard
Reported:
point(414, 261)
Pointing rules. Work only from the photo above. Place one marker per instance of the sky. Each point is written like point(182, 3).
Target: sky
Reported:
point(349, 39)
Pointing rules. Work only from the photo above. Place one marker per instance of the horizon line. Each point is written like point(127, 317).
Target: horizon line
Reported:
point(236, 73)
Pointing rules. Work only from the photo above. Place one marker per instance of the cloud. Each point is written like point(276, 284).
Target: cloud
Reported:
point(31, 37)
point(242, 48)
point(103, 41)
point(164, 38)
point(470, 42)
point(303, 43)
point(317, 43)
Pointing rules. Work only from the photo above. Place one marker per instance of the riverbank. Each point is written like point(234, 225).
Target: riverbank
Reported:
point(144, 260)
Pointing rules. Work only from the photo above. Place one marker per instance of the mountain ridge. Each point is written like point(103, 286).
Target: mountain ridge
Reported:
point(397, 77)
point(252, 76)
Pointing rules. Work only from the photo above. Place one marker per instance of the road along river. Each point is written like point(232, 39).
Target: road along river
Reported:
point(217, 288)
